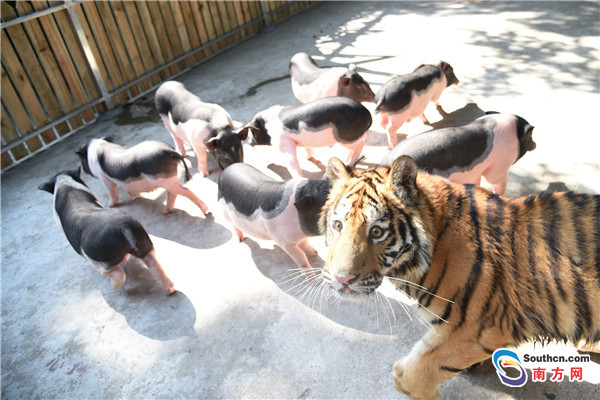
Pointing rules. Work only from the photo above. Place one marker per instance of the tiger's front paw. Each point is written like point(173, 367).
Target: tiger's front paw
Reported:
point(398, 373)
point(412, 384)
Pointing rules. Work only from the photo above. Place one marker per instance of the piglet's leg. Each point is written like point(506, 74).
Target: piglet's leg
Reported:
point(355, 150)
point(307, 248)
point(299, 258)
point(111, 188)
point(392, 128)
point(288, 148)
point(117, 276)
point(158, 272)
point(239, 234)
point(190, 195)
point(179, 145)
point(200, 151)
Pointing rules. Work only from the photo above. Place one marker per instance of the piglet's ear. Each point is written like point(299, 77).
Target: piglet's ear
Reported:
point(108, 138)
point(213, 144)
point(345, 81)
point(403, 178)
point(47, 187)
point(337, 170)
point(243, 133)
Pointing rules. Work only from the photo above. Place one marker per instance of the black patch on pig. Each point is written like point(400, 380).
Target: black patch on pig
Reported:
point(183, 105)
point(525, 136)
point(152, 158)
point(310, 198)
point(396, 94)
point(248, 190)
point(445, 151)
point(304, 70)
point(348, 117)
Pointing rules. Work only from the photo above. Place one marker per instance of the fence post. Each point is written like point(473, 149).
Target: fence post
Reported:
point(88, 53)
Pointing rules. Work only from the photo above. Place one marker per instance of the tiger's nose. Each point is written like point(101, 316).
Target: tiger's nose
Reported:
point(344, 279)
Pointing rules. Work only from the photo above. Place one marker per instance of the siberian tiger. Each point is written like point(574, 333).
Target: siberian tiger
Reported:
point(512, 270)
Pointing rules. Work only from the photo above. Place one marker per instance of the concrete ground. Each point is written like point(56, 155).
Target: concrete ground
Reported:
point(240, 326)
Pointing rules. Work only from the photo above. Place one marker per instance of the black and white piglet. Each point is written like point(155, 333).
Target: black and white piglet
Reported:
point(104, 237)
point(309, 82)
point(284, 211)
point(406, 96)
point(486, 148)
point(203, 125)
point(141, 168)
point(320, 123)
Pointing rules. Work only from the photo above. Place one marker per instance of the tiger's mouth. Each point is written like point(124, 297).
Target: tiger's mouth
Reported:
point(354, 289)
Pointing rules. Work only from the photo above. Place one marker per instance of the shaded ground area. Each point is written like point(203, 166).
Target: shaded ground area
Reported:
point(240, 325)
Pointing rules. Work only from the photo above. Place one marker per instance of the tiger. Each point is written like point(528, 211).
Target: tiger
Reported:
point(487, 271)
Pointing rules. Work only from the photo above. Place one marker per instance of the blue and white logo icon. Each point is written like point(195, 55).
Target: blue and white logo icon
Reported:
point(509, 359)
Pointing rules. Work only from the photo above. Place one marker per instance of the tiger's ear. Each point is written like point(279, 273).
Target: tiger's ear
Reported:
point(403, 177)
point(337, 170)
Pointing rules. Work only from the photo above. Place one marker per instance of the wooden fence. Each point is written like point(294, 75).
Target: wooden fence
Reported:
point(66, 62)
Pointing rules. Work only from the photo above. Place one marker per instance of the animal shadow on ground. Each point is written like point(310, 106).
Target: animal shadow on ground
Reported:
point(377, 314)
point(199, 232)
point(461, 116)
point(147, 309)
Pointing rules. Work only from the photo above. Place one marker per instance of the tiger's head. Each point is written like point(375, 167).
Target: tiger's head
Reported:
point(373, 227)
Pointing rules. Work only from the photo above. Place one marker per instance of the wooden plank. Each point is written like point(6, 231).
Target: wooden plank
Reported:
point(139, 37)
point(150, 32)
point(65, 26)
point(15, 109)
point(105, 55)
point(213, 9)
point(209, 25)
point(121, 52)
point(24, 87)
point(181, 29)
point(6, 160)
point(190, 26)
point(172, 35)
point(63, 58)
point(39, 62)
point(222, 16)
point(200, 25)
point(131, 45)
point(96, 53)
point(232, 22)
point(18, 72)
point(161, 32)
point(244, 16)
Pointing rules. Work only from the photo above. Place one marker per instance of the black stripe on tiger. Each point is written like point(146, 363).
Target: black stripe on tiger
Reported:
point(475, 273)
point(553, 229)
point(454, 370)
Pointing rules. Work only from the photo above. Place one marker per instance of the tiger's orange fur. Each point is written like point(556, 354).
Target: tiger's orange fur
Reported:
point(514, 270)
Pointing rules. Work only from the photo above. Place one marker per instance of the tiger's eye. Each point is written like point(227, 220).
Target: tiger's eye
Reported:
point(376, 232)
point(337, 225)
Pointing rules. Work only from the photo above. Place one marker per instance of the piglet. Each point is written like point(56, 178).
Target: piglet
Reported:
point(104, 237)
point(309, 82)
point(142, 168)
point(406, 96)
point(204, 126)
point(320, 123)
point(486, 148)
point(284, 211)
